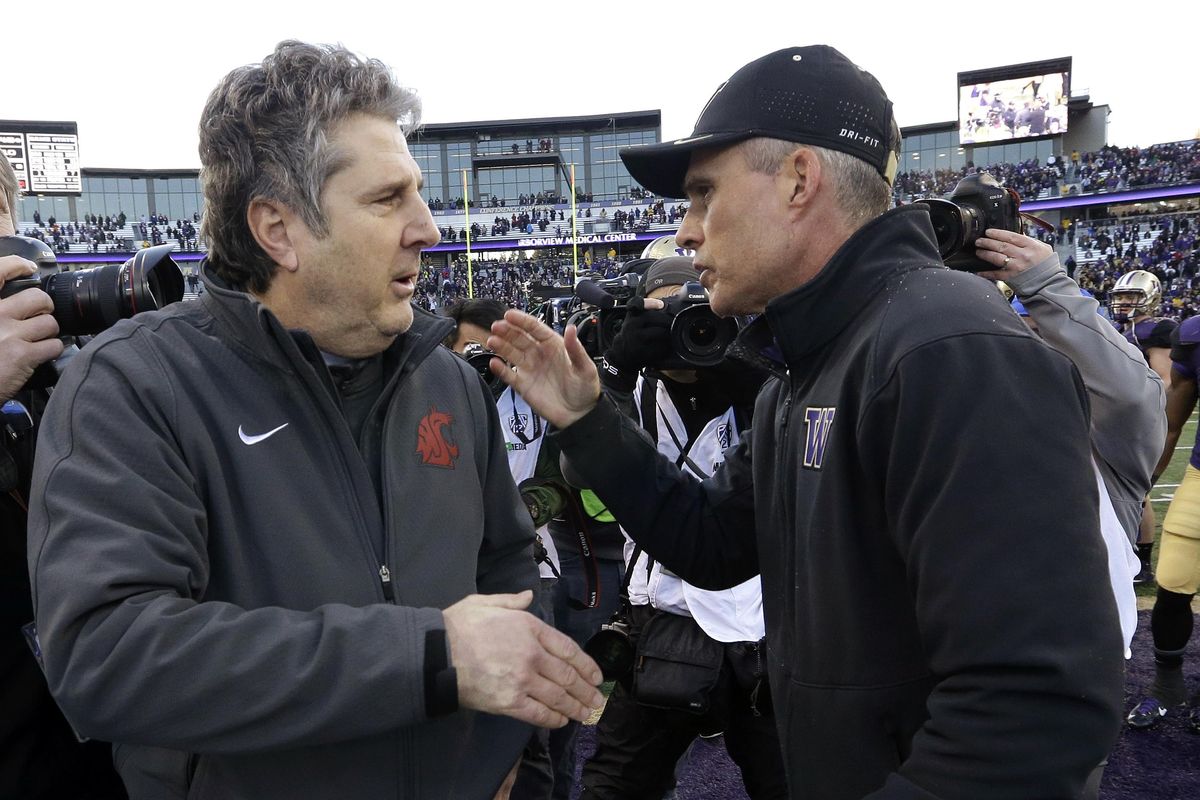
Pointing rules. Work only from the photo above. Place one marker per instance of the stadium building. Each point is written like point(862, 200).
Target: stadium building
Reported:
point(555, 187)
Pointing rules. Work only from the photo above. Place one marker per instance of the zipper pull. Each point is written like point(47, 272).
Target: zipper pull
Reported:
point(385, 577)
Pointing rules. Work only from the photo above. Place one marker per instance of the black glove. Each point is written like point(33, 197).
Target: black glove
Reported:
point(644, 339)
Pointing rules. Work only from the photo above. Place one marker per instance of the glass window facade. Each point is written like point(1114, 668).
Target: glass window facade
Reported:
point(178, 198)
point(428, 156)
point(930, 152)
point(1013, 152)
point(607, 177)
point(57, 207)
point(512, 182)
point(598, 168)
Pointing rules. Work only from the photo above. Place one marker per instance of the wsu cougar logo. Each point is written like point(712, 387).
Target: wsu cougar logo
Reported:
point(432, 446)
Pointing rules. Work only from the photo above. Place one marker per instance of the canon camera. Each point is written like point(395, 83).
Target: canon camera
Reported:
point(479, 358)
point(699, 337)
point(977, 203)
point(89, 301)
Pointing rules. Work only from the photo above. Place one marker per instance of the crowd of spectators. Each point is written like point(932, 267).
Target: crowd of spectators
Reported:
point(1164, 245)
point(639, 221)
point(1113, 168)
point(110, 234)
point(100, 234)
point(507, 280)
point(1107, 169)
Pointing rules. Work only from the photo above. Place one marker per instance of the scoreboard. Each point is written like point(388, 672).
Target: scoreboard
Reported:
point(45, 155)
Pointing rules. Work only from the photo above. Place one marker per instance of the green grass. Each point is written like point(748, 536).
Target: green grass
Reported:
point(1161, 494)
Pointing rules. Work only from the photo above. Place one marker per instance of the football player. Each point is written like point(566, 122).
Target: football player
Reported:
point(1179, 550)
point(1133, 300)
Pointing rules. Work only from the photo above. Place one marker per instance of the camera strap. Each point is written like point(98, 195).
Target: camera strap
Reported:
point(591, 568)
point(649, 418)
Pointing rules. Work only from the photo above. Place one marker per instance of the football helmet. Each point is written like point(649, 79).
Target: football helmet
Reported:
point(665, 246)
point(1135, 294)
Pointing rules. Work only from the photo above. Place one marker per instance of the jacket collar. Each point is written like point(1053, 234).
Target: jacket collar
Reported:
point(804, 320)
point(253, 326)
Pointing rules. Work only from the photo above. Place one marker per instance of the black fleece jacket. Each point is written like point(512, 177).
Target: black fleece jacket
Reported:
point(916, 490)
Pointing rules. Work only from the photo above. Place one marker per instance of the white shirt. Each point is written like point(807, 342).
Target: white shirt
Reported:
point(524, 432)
point(726, 615)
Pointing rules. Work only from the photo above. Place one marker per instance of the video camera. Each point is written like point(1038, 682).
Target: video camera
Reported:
point(89, 301)
point(699, 337)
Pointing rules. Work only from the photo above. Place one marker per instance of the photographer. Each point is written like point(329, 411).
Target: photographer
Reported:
point(694, 416)
point(39, 755)
point(904, 584)
point(1126, 398)
point(581, 570)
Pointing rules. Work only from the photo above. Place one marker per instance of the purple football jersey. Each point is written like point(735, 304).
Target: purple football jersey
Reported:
point(1185, 359)
point(1151, 332)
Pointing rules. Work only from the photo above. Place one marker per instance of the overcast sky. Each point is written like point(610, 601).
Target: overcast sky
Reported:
point(135, 74)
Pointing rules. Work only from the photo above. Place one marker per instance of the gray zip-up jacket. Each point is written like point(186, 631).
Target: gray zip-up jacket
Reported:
point(1129, 424)
point(203, 548)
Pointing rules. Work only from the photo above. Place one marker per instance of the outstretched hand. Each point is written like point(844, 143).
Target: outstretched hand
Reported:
point(553, 373)
point(509, 662)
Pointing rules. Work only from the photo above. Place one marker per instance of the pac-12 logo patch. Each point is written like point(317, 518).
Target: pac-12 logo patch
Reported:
point(432, 446)
point(517, 423)
point(817, 422)
point(723, 436)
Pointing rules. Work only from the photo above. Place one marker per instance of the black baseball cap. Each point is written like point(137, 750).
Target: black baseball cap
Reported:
point(809, 95)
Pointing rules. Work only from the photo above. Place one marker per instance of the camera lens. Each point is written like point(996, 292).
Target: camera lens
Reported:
point(700, 337)
point(91, 300)
point(612, 651)
point(972, 225)
point(948, 226)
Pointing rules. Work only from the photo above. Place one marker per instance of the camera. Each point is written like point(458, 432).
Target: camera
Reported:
point(89, 301)
point(611, 648)
point(699, 337)
point(977, 203)
point(479, 357)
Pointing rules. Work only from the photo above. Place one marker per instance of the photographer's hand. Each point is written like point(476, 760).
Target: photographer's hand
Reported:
point(28, 330)
point(1011, 253)
point(554, 374)
point(510, 662)
point(644, 339)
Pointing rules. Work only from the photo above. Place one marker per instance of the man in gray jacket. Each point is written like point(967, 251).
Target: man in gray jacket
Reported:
point(1126, 396)
point(274, 544)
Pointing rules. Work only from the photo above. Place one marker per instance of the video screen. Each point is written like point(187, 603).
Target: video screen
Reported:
point(1014, 108)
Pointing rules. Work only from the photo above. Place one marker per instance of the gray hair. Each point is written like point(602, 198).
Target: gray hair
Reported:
point(264, 134)
point(10, 190)
point(858, 188)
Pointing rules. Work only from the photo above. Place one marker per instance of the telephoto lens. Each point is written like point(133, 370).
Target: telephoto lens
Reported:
point(89, 301)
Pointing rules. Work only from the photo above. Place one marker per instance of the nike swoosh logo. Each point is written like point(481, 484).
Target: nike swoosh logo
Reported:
point(693, 139)
point(248, 439)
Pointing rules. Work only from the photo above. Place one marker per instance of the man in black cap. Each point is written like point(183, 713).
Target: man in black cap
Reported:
point(908, 504)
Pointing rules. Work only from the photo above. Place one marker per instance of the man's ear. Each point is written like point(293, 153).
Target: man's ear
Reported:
point(271, 224)
point(802, 174)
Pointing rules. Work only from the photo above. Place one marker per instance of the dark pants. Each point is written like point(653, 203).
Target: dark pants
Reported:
point(637, 747)
point(535, 776)
point(553, 751)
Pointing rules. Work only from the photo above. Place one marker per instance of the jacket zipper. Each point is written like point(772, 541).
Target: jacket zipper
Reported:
point(385, 578)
